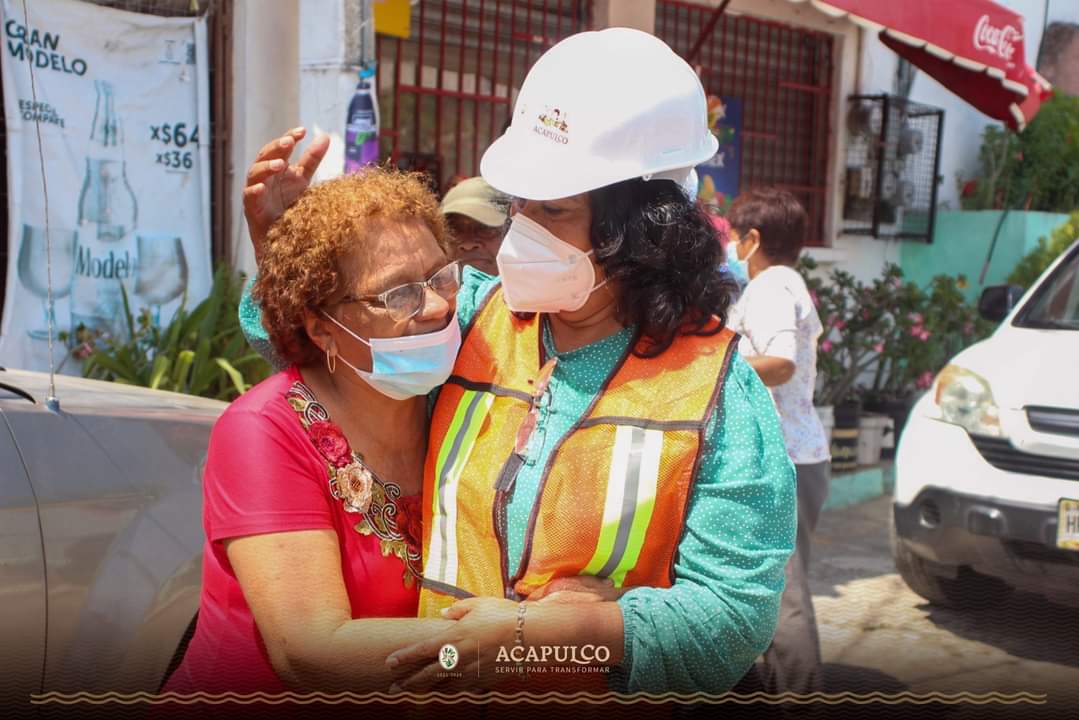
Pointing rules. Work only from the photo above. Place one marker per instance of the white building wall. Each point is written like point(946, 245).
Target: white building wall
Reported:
point(963, 126)
point(865, 65)
point(265, 98)
point(326, 80)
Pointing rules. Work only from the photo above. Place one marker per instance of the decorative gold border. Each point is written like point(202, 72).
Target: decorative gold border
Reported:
point(56, 698)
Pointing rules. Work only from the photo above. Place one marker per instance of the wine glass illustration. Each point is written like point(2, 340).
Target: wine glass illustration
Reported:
point(162, 270)
point(33, 270)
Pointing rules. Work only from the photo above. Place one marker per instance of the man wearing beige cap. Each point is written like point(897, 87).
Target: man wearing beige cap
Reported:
point(476, 214)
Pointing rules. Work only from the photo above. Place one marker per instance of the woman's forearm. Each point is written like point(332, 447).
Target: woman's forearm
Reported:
point(597, 624)
point(353, 657)
point(772, 370)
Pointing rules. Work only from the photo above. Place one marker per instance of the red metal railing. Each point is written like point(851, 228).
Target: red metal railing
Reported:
point(783, 75)
point(447, 91)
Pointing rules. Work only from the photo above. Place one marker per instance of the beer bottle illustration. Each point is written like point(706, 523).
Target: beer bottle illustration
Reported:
point(108, 212)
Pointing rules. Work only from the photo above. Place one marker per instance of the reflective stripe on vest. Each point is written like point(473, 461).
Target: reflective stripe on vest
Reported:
point(452, 456)
point(631, 498)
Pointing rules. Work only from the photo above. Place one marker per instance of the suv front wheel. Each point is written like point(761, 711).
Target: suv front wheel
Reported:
point(967, 590)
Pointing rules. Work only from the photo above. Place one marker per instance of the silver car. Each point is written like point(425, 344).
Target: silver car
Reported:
point(100, 533)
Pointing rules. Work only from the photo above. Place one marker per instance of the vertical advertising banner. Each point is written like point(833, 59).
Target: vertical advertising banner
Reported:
point(120, 102)
point(721, 175)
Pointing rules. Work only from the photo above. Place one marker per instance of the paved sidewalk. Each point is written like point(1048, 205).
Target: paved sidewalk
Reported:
point(877, 635)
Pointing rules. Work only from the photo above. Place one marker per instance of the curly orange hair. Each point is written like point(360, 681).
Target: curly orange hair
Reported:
point(300, 266)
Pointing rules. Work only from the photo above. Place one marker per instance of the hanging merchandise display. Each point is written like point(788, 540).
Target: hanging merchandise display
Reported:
point(361, 126)
point(108, 151)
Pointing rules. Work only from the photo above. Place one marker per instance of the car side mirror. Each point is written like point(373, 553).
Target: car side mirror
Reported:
point(998, 300)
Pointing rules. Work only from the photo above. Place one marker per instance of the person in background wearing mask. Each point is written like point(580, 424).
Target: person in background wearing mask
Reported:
point(723, 232)
point(476, 214)
point(780, 327)
point(598, 422)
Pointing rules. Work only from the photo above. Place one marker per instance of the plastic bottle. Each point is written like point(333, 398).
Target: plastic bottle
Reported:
point(361, 128)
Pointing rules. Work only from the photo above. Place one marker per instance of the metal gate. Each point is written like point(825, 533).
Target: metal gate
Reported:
point(783, 75)
point(447, 91)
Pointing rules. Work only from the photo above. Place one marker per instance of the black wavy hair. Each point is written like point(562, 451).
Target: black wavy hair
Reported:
point(664, 253)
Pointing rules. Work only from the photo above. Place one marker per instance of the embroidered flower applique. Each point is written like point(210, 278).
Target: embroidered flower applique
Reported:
point(393, 519)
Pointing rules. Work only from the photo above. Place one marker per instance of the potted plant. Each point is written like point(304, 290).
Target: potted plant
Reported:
point(847, 350)
point(922, 331)
point(897, 375)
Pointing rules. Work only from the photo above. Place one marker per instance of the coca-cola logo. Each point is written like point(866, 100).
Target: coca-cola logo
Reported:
point(999, 41)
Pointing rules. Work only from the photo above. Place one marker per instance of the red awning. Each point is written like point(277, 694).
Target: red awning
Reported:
point(972, 47)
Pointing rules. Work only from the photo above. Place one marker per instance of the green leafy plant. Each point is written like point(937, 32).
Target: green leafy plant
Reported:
point(998, 159)
point(1031, 267)
point(200, 352)
point(1036, 169)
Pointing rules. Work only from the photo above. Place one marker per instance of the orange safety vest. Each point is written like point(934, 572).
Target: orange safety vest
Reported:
point(612, 500)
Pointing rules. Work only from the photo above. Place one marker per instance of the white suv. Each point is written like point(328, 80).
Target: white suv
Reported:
point(987, 471)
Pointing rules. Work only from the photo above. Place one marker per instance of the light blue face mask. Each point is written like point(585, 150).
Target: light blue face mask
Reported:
point(738, 267)
point(404, 367)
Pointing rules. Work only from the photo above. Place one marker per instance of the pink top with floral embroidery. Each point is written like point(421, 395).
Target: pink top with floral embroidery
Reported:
point(264, 474)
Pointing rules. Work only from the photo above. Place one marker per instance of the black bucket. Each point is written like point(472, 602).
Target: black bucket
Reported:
point(845, 436)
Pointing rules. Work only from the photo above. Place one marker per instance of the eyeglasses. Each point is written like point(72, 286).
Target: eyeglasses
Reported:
point(528, 425)
point(405, 301)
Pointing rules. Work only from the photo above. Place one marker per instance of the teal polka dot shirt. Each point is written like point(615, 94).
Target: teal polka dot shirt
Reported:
point(703, 633)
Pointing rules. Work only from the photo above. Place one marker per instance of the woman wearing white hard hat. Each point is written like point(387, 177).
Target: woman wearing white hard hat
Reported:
point(598, 422)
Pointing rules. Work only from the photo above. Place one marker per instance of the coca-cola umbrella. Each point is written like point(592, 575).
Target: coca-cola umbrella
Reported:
point(972, 47)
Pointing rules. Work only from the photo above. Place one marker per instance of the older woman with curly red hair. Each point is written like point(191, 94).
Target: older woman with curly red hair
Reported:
point(313, 477)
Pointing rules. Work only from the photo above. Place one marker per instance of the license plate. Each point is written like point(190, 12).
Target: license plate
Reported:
point(1068, 524)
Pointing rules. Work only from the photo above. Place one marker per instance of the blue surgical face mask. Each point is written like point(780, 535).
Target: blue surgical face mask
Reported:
point(404, 367)
point(738, 270)
point(739, 267)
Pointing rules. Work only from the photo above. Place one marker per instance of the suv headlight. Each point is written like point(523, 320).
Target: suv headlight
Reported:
point(964, 399)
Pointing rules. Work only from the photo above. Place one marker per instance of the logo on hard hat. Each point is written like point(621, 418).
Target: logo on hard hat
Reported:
point(553, 125)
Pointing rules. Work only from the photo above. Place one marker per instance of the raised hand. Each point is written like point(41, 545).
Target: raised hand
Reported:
point(273, 184)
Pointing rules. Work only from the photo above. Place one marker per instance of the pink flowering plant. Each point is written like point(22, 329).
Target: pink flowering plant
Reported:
point(928, 328)
point(849, 311)
point(886, 339)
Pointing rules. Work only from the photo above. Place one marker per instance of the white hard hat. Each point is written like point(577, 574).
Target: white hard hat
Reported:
point(599, 108)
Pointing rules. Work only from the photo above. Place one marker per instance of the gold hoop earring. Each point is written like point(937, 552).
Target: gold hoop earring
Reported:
point(331, 362)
